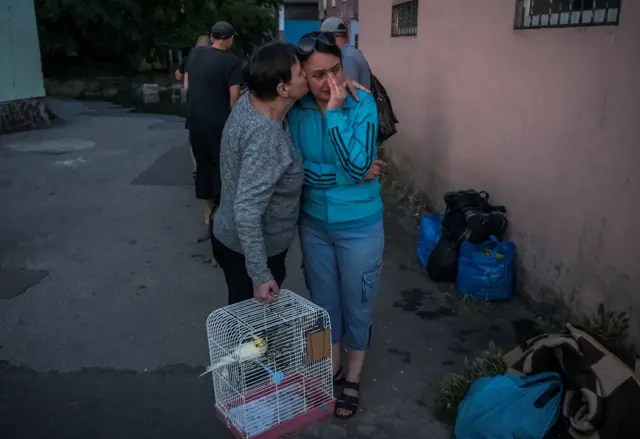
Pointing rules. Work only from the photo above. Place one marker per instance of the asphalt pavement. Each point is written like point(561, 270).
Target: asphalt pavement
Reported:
point(104, 293)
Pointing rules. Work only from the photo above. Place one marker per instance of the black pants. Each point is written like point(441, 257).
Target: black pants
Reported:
point(239, 284)
point(206, 151)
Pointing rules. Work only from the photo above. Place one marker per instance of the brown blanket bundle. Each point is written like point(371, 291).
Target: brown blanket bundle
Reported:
point(602, 397)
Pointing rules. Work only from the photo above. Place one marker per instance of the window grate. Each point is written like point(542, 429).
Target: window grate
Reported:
point(404, 19)
point(534, 14)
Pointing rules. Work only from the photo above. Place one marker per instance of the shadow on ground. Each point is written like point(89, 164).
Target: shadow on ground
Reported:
point(106, 404)
point(422, 332)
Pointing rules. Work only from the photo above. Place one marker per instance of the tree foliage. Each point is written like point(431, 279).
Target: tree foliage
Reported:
point(122, 33)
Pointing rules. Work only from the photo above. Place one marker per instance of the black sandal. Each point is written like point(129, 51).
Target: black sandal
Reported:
point(348, 402)
point(338, 378)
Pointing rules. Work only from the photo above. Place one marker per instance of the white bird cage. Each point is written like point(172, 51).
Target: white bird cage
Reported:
point(291, 384)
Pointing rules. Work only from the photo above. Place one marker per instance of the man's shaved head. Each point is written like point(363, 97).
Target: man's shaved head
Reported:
point(204, 40)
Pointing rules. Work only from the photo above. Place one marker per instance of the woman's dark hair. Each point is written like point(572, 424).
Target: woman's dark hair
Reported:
point(268, 66)
point(322, 42)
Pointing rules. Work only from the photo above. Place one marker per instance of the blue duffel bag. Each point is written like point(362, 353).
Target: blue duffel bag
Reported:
point(486, 271)
point(429, 235)
point(509, 406)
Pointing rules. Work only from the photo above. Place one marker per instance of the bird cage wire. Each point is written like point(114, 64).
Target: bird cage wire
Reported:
point(247, 395)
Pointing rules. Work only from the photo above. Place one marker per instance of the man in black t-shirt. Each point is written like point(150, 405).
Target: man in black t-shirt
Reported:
point(180, 74)
point(213, 76)
point(203, 40)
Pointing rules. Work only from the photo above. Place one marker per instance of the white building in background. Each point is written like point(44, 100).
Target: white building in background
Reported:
point(22, 93)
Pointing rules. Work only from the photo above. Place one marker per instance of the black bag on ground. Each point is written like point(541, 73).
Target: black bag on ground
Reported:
point(386, 118)
point(470, 217)
point(443, 260)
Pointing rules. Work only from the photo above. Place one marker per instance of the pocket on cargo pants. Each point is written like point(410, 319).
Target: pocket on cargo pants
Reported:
point(360, 262)
point(371, 283)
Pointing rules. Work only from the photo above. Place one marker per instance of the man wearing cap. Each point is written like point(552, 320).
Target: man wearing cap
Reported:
point(354, 64)
point(213, 77)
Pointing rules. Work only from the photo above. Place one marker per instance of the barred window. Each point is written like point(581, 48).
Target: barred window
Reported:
point(531, 14)
point(404, 19)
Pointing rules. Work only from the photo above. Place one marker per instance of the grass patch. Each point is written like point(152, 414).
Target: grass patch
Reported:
point(455, 386)
point(459, 302)
point(612, 327)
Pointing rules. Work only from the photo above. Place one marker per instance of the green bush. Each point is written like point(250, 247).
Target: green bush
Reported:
point(122, 33)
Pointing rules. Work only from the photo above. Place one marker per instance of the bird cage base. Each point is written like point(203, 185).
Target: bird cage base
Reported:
point(255, 405)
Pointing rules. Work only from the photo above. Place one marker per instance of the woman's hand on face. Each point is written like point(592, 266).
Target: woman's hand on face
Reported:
point(338, 92)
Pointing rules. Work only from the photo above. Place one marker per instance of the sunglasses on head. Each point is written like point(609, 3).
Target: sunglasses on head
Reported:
point(309, 43)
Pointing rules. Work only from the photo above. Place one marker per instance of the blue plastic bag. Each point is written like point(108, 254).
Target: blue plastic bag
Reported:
point(509, 406)
point(486, 271)
point(430, 232)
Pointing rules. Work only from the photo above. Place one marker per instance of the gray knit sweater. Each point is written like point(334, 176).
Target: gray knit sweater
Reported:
point(262, 177)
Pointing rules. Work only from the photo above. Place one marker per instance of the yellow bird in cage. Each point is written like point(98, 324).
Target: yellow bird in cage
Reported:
point(249, 351)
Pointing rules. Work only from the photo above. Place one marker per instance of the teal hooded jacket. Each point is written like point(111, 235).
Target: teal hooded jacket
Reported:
point(337, 150)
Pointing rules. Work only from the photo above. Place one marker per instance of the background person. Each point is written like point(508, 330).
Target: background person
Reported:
point(213, 76)
point(354, 63)
point(181, 74)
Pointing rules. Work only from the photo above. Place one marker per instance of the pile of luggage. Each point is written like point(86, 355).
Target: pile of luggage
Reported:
point(465, 246)
point(570, 384)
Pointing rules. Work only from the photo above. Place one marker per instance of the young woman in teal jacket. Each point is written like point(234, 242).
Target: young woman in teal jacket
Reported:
point(341, 230)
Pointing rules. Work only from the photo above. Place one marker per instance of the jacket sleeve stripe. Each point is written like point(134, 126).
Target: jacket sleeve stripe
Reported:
point(314, 178)
point(371, 139)
point(345, 151)
point(355, 171)
point(327, 183)
point(340, 154)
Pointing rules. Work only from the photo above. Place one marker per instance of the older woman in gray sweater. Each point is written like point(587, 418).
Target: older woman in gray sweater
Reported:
point(262, 176)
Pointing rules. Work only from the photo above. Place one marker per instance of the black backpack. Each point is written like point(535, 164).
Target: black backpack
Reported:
point(470, 217)
point(386, 118)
